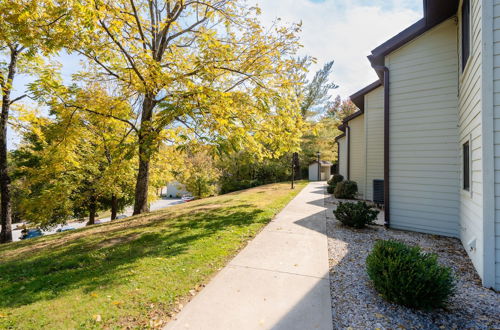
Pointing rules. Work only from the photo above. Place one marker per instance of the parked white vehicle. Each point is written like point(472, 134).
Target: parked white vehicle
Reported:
point(187, 198)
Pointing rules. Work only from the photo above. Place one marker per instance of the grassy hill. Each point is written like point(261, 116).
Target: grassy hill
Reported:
point(135, 272)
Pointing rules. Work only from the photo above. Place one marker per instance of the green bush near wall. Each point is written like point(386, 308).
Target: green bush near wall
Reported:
point(356, 215)
point(408, 276)
point(346, 190)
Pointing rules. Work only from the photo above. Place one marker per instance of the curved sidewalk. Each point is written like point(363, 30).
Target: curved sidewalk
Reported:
point(278, 281)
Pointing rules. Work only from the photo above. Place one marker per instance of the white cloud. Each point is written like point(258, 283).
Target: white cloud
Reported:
point(345, 31)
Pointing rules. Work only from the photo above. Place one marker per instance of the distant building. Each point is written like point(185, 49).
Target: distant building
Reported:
point(325, 171)
point(175, 190)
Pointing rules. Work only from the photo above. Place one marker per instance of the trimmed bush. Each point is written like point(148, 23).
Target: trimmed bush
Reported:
point(336, 178)
point(356, 215)
point(407, 276)
point(346, 190)
point(330, 189)
point(332, 183)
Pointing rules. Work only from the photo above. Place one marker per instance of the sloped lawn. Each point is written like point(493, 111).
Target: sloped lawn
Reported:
point(134, 272)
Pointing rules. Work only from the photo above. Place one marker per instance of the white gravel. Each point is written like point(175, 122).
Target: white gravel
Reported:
point(356, 304)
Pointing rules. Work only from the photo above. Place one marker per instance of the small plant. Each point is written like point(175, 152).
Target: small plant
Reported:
point(356, 215)
point(330, 189)
point(332, 183)
point(346, 190)
point(407, 276)
point(336, 178)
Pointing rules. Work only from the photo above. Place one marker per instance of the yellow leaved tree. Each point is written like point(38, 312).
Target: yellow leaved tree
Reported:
point(203, 70)
point(29, 29)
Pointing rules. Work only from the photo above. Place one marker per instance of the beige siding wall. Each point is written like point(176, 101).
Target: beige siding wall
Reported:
point(424, 173)
point(374, 137)
point(343, 156)
point(496, 100)
point(357, 148)
point(469, 129)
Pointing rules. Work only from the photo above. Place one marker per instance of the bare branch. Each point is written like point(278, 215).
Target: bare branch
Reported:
point(18, 99)
point(124, 51)
point(139, 26)
point(102, 114)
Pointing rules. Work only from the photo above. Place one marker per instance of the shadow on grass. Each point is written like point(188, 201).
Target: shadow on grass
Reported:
point(99, 259)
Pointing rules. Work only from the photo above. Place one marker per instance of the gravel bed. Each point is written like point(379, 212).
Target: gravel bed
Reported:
point(356, 304)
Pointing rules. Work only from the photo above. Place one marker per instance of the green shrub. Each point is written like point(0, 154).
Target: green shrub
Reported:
point(405, 275)
point(346, 190)
point(356, 215)
point(332, 183)
point(330, 189)
point(228, 186)
point(336, 178)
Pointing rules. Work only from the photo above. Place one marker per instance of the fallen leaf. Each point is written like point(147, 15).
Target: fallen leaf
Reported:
point(97, 318)
point(117, 303)
point(379, 316)
point(155, 323)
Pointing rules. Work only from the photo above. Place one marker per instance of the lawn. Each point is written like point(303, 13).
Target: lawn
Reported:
point(134, 272)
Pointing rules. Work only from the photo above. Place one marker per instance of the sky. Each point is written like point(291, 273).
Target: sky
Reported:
point(344, 31)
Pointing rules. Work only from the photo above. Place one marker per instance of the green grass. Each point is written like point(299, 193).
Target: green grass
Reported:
point(133, 272)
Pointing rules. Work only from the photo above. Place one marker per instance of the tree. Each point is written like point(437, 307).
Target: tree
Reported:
point(200, 174)
point(83, 157)
point(341, 109)
point(314, 95)
point(192, 64)
point(29, 29)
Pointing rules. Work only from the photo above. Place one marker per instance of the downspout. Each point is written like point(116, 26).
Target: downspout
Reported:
point(387, 209)
point(348, 131)
point(338, 158)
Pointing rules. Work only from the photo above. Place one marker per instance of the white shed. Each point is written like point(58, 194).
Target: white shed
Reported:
point(175, 190)
point(325, 170)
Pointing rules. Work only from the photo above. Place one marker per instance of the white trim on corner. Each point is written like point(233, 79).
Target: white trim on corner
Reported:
point(488, 147)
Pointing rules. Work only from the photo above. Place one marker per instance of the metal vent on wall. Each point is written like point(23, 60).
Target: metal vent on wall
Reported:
point(378, 191)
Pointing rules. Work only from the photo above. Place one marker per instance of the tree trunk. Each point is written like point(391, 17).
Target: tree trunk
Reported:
point(114, 207)
point(145, 137)
point(5, 204)
point(92, 211)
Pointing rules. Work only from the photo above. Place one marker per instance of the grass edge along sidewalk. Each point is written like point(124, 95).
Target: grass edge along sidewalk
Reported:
point(135, 272)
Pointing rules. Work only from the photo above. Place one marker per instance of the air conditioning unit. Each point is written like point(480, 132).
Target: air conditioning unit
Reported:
point(378, 192)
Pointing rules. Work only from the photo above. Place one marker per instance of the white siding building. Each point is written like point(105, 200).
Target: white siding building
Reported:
point(432, 128)
point(342, 152)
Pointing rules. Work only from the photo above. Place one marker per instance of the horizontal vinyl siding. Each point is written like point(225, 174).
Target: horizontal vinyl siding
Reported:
point(357, 149)
point(424, 171)
point(374, 136)
point(496, 100)
point(469, 129)
point(343, 156)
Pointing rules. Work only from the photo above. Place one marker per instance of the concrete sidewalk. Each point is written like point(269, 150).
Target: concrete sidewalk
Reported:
point(279, 281)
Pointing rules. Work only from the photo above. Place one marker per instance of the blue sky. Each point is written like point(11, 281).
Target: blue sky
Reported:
point(341, 30)
point(345, 31)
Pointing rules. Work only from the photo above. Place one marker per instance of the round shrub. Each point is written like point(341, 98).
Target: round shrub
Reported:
point(346, 190)
point(336, 178)
point(356, 215)
point(405, 275)
point(332, 183)
point(330, 189)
